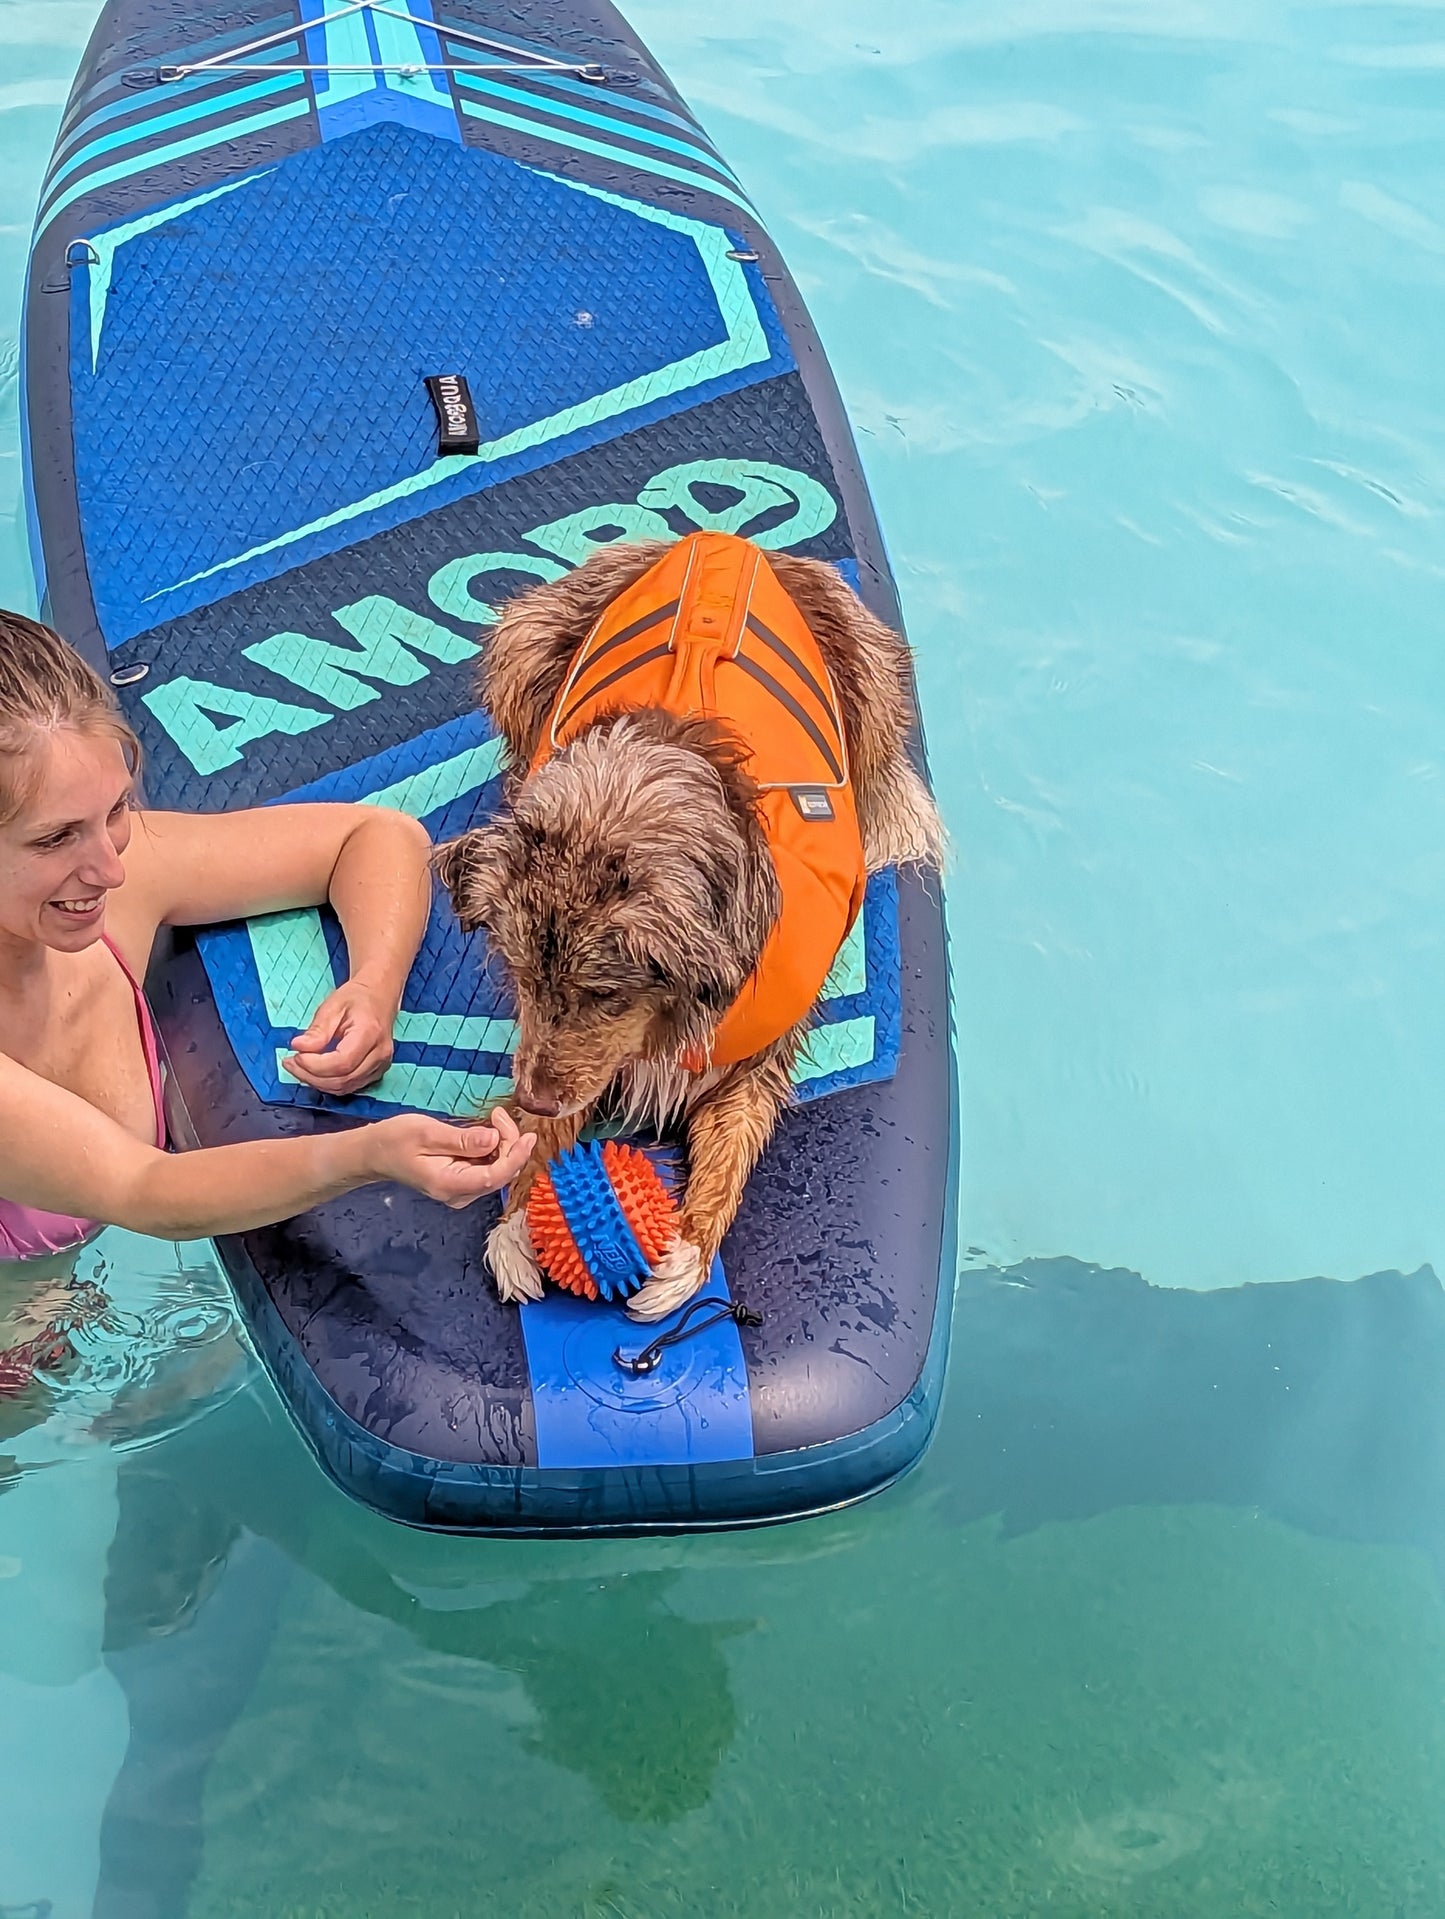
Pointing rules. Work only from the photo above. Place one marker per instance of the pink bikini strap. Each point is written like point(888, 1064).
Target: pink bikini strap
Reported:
point(150, 1044)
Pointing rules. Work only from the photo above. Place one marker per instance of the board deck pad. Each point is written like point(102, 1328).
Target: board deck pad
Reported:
point(265, 228)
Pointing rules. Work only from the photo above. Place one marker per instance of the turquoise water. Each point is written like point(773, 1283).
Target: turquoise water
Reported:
point(1135, 310)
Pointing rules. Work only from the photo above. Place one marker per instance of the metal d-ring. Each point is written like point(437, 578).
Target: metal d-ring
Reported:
point(73, 259)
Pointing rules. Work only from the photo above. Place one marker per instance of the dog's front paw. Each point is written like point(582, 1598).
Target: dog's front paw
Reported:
point(677, 1275)
point(513, 1263)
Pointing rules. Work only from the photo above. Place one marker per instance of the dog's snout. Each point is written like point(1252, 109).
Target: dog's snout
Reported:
point(541, 1105)
point(539, 1089)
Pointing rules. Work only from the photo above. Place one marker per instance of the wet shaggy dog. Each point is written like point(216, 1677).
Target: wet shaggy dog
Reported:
point(628, 889)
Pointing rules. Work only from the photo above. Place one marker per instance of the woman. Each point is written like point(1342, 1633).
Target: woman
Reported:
point(86, 880)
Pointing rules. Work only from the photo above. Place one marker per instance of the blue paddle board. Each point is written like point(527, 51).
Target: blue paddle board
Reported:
point(266, 227)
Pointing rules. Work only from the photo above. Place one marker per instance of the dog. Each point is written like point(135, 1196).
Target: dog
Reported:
point(642, 885)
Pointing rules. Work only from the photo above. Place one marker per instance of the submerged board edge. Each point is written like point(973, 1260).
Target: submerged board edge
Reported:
point(441, 1496)
point(435, 1495)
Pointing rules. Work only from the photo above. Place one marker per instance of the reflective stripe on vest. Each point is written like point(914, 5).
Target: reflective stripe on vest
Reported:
point(710, 633)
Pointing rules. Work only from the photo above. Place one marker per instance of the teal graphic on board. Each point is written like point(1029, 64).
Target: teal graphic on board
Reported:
point(391, 645)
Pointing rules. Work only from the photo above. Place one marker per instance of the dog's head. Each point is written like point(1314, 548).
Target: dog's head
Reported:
point(629, 891)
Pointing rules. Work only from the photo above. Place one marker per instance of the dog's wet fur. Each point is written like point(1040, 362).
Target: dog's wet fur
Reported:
point(628, 889)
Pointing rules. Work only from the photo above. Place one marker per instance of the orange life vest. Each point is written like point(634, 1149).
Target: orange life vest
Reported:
point(710, 632)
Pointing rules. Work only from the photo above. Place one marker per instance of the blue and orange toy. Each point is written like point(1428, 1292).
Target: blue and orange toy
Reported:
point(599, 1216)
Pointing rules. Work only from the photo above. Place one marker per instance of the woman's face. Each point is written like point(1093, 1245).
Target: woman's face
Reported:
point(61, 854)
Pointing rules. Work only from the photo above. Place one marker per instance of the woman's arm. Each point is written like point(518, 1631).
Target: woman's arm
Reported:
point(187, 869)
point(58, 1153)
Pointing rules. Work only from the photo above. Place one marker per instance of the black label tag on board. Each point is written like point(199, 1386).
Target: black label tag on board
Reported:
point(458, 428)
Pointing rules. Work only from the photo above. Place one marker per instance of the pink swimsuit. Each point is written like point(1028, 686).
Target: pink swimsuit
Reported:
point(25, 1232)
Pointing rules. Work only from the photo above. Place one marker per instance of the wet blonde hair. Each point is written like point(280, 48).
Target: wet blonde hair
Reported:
point(45, 684)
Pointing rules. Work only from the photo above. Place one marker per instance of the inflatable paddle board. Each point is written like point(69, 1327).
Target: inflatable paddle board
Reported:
point(346, 321)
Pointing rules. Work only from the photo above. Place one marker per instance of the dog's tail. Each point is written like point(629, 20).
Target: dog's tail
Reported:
point(900, 821)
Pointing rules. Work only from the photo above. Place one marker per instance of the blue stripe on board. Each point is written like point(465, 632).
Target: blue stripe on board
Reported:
point(466, 51)
point(623, 156)
point(385, 771)
point(627, 129)
point(624, 101)
point(481, 43)
point(187, 115)
point(163, 156)
point(588, 1412)
point(369, 19)
point(348, 101)
point(360, 110)
point(398, 40)
point(146, 106)
point(114, 83)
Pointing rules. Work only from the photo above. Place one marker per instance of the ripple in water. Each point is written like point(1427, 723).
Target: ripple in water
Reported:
point(115, 1348)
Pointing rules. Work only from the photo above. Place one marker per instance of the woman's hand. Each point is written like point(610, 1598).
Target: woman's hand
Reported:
point(63, 1155)
point(455, 1164)
point(348, 1044)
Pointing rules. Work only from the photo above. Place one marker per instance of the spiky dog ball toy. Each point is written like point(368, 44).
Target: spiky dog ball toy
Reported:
point(599, 1216)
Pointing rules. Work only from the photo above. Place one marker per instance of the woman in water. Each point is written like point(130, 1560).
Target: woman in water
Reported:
point(86, 881)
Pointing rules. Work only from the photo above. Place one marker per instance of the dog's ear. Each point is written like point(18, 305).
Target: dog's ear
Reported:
point(473, 869)
point(448, 862)
point(703, 978)
point(697, 973)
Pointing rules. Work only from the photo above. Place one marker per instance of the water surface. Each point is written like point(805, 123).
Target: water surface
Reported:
point(1135, 308)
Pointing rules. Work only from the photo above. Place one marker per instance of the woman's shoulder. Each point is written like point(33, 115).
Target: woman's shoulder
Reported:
point(134, 911)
